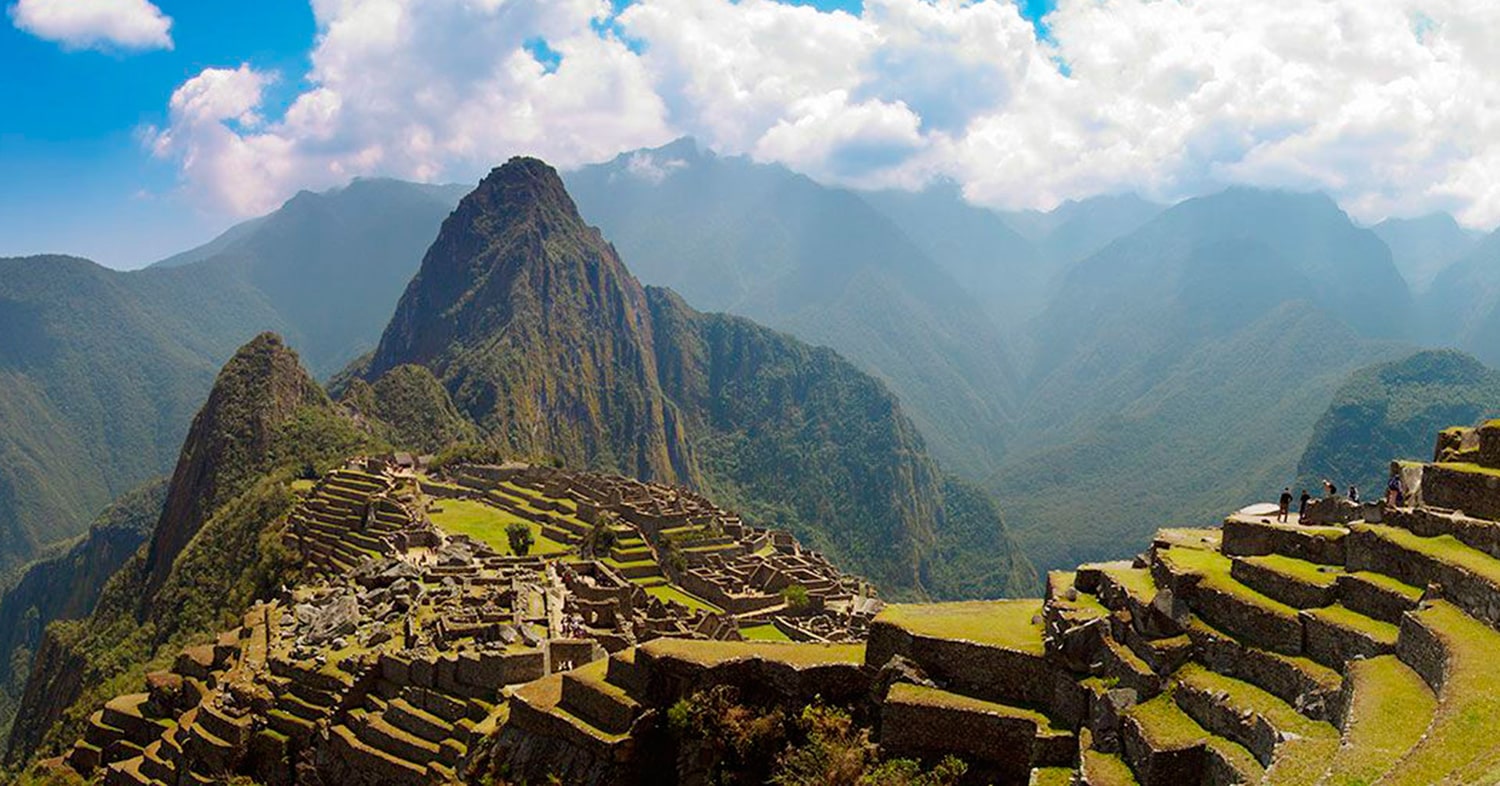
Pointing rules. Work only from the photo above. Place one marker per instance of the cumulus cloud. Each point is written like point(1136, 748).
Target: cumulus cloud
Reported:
point(1388, 105)
point(95, 24)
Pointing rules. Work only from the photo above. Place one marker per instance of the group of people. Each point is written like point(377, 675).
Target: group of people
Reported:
point(1393, 497)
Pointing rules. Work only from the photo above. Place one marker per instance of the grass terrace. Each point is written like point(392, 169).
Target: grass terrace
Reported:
point(1299, 570)
point(1165, 725)
point(1343, 617)
point(487, 523)
point(1466, 726)
point(1009, 624)
point(1188, 538)
point(765, 632)
point(1444, 548)
point(712, 653)
point(668, 592)
point(1307, 745)
point(1391, 709)
point(1214, 569)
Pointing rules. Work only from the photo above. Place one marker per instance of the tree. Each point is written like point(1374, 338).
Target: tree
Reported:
point(796, 598)
point(520, 537)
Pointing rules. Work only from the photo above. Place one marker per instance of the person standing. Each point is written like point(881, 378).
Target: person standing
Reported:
point(1353, 493)
point(1302, 506)
point(1285, 506)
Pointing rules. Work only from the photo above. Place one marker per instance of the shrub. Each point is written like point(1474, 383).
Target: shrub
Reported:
point(520, 537)
point(796, 598)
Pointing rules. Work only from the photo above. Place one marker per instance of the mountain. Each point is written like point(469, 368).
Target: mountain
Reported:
point(543, 338)
point(1462, 306)
point(99, 373)
point(819, 263)
point(101, 370)
point(332, 264)
point(409, 408)
point(265, 421)
point(1424, 247)
point(66, 586)
point(1392, 410)
point(1179, 370)
point(1003, 271)
point(1077, 229)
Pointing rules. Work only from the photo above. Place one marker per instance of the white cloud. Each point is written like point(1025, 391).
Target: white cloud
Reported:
point(95, 24)
point(1389, 105)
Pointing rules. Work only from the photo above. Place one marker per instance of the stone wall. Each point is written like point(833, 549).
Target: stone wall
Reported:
point(1476, 493)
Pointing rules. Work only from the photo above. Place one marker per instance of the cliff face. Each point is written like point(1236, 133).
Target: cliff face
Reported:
point(538, 331)
point(230, 442)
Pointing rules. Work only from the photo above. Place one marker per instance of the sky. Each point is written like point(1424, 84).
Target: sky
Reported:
point(133, 129)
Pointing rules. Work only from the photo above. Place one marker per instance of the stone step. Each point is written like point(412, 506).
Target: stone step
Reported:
point(382, 766)
point(1163, 655)
point(623, 673)
point(1377, 595)
point(1165, 747)
point(588, 695)
point(84, 757)
point(1127, 670)
point(1051, 776)
point(1481, 534)
point(1202, 579)
point(1469, 577)
point(1454, 653)
point(125, 773)
point(1294, 749)
point(1389, 709)
point(375, 731)
point(436, 703)
point(1337, 634)
point(1297, 583)
point(1461, 486)
point(156, 766)
point(1001, 741)
point(418, 722)
point(1246, 536)
point(1314, 689)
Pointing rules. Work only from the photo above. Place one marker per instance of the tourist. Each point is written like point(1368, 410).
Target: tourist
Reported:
point(1393, 491)
point(1353, 493)
point(1329, 489)
point(1302, 506)
point(1285, 505)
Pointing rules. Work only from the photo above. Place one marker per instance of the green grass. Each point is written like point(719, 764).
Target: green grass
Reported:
point(1389, 584)
point(1307, 745)
point(666, 592)
point(712, 653)
point(1456, 466)
point(1136, 581)
point(1444, 548)
point(1165, 725)
point(1342, 616)
point(1466, 727)
point(1190, 538)
point(487, 523)
point(762, 633)
point(301, 485)
point(1010, 624)
point(1214, 569)
point(1301, 571)
point(932, 697)
point(1391, 709)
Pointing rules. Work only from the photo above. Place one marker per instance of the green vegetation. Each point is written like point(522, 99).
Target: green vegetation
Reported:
point(518, 536)
point(1166, 725)
point(820, 746)
point(1306, 746)
point(1299, 570)
point(1337, 614)
point(1391, 411)
point(492, 525)
point(1467, 723)
point(709, 653)
point(1443, 548)
point(1391, 709)
point(1011, 624)
point(409, 408)
point(765, 632)
point(666, 592)
point(792, 436)
point(795, 597)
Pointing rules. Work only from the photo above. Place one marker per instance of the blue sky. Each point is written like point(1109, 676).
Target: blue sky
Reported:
point(1390, 107)
point(76, 174)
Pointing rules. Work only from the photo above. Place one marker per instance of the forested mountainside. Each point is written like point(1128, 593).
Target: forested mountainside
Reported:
point(1394, 409)
point(142, 347)
point(67, 585)
point(1462, 306)
point(548, 343)
point(265, 422)
point(822, 264)
point(1424, 247)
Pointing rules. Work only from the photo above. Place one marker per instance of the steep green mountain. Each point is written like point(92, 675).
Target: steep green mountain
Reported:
point(543, 338)
point(101, 370)
point(209, 555)
point(332, 264)
point(66, 586)
point(409, 408)
point(1462, 306)
point(99, 373)
point(1393, 410)
point(1424, 247)
point(822, 264)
